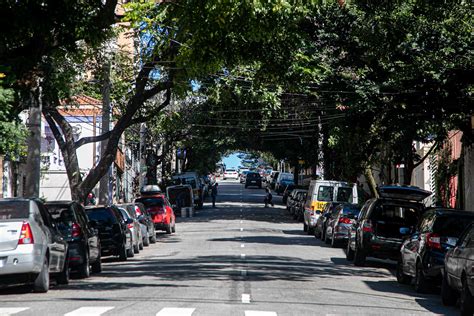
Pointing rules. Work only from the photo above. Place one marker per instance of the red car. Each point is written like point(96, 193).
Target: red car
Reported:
point(160, 211)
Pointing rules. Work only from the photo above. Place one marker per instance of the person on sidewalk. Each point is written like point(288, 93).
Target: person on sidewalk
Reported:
point(268, 197)
point(214, 194)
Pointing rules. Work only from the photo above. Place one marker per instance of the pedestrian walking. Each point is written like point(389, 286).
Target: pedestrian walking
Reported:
point(214, 194)
point(268, 197)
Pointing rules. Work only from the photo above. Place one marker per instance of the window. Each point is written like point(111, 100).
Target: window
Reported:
point(396, 213)
point(101, 215)
point(325, 193)
point(152, 202)
point(344, 195)
point(14, 209)
point(451, 226)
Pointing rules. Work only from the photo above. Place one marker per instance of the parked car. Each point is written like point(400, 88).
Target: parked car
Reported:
point(384, 222)
point(160, 210)
point(180, 196)
point(128, 211)
point(190, 178)
point(458, 273)
point(253, 179)
point(149, 232)
point(31, 246)
point(321, 223)
point(298, 205)
point(115, 237)
point(422, 254)
point(231, 174)
point(82, 238)
point(291, 200)
point(339, 223)
point(283, 180)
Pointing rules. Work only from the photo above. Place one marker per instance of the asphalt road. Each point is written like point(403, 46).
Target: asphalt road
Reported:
point(236, 259)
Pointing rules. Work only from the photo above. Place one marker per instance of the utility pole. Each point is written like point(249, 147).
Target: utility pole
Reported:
point(33, 160)
point(141, 179)
point(104, 194)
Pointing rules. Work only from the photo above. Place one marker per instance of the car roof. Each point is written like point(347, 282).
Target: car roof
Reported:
point(449, 211)
point(65, 202)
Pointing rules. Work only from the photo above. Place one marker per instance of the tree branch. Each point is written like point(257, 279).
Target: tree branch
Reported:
point(54, 128)
point(146, 118)
point(435, 145)
point(91, 139)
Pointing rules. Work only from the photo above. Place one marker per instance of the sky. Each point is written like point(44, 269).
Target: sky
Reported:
point(232, 161)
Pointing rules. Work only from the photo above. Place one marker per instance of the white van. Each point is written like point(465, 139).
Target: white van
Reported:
point(193, 179)
point(321, 192)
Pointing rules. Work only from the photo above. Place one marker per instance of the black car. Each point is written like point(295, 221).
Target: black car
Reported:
point(422, 254)
point(298, 205)
point(115, 237)
point(384, 222)
point(458, 274)
point(320, 228)
point(83, 239)
point(339, 223)
point(253, 179)
point(144, 217)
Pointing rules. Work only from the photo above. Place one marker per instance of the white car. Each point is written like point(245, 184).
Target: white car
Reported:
point(231, 174)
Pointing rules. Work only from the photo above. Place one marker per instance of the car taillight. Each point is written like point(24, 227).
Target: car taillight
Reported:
point(76, 230)
point(130, 225)
point(26, 235)
point(367, 227)
point(344, 220)
point(433, 241)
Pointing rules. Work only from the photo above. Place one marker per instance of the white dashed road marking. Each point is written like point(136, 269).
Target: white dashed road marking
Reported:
point(6, 311)
point(170, 311)
point(246, 298)
point(242, 246)
point(90, 311)
point(259, 313)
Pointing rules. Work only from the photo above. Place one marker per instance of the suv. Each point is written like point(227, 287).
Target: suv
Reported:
point(115, 237)
point(81, 236)
point(422, 255)
point(253, 179)
point(383, 223)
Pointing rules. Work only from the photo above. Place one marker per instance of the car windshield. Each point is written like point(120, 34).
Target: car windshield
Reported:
point(152, 202)
point(14, 209)
point(396, 213)
point(253, 176)
point(350, 211)
point(101, 215)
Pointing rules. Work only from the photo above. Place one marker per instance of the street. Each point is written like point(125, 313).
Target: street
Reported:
point(236, 259)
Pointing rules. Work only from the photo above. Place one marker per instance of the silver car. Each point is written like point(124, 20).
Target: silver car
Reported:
point(31, 246)
point(135, 229)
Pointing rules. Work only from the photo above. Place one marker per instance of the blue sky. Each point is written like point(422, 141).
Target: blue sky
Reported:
point(232, 161)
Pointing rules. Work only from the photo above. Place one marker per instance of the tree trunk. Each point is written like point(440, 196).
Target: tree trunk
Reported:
point(104, 194)
point(371, 181)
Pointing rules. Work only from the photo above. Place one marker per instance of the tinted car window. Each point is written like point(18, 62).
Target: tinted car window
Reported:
point(344, 195)
point(253, 176)
point(451, 226)
point(325, 193)
point(396, 213)
point(152, 202)
point(350, 211)
point(14, 209)
point(102, 216)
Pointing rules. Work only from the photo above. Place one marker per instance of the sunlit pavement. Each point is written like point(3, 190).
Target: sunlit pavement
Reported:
point(236, 259)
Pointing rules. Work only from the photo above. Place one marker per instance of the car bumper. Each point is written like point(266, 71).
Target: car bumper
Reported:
point(24, 259)
point(383, 248)
point(76, 254)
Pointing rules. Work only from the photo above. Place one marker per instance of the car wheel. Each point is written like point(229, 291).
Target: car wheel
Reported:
point(41, 284)
point(327, 241)
point(63, 276)
point(173, 229)
point(448, 295)
point(153, 237)
point(402, 278)
point(466, 301)
point(305, 227)
point(123, 253)
point(97, 265)
point(168, 229)
point(349, 252)
point(333, 242)
point(136, 248)
point(146, 241)
point(420, 280)
point(84, 269)
point(359, 257)
point(130, 252)
point(140, 245)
